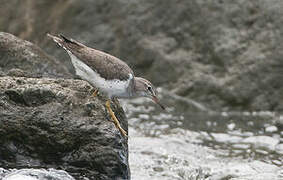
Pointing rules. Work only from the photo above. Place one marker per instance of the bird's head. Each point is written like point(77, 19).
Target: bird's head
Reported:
point(144, 88)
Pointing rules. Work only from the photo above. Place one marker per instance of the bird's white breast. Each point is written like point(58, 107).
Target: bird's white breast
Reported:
point(112, 88)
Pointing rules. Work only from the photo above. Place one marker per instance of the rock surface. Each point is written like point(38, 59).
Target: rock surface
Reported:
point(226, 54)
point(34, 174)
point(56, 123)
point(22, 58)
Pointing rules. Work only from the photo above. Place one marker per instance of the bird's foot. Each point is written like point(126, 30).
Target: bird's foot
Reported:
point(95, 93)
point(115, 120)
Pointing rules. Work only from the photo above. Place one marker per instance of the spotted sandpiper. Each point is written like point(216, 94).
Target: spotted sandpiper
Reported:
point(108, 74)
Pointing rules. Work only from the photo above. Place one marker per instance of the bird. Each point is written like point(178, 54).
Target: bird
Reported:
point(107, 74)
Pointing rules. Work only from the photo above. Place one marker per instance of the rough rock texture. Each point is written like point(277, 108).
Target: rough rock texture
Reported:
point(22, 58)
point(56, 123)
point(226, 54)
point(34, 174)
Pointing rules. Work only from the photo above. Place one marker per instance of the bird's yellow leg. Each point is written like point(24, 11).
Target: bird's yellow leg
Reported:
point(95, 93)
point(116, 122)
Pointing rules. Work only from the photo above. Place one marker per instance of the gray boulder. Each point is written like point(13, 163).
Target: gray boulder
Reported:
point(55, 123)
point(24, 59)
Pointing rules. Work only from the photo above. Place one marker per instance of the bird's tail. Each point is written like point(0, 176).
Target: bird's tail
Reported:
point(63, 41)
point(56, 39)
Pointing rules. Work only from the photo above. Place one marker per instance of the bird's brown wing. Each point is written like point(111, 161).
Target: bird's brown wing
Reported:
point(108, 66)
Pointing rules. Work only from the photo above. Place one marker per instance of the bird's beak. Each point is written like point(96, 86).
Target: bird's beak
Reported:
point(156, 100)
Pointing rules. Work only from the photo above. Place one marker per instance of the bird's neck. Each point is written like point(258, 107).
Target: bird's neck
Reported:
point(137, 87)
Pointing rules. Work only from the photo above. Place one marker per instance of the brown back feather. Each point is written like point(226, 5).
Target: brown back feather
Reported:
point(108, 66)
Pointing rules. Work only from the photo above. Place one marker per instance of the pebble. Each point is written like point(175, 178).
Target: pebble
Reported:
point(231, 126)
point(225, 114)
point(271, 129)
point(279, 148)
point(261, 151)
point(277, 162)
point(241, 146)
point(225, 138)
point(163, 126)
point(158, 169)
point(262, 142)
point(144, 116)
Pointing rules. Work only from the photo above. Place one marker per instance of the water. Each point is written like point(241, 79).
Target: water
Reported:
point(189, 141)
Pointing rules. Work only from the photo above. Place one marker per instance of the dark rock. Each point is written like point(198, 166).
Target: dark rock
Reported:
point(24, 59)
point(55, 123)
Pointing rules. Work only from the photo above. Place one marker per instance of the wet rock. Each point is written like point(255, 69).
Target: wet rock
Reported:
point(264, 142)
point(225, 138)
point(55, 123)
point(174, 156)
point(271, 129)
point(37, 174)
point(279, 148)
point(23, 59)
point(241, 146)
point(250, 171)
point(3, 172)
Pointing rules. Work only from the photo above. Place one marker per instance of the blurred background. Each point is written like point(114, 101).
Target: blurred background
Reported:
point(218, 65)
point(225, 54)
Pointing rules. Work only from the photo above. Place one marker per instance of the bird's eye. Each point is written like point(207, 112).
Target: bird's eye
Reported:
point(149, 88)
